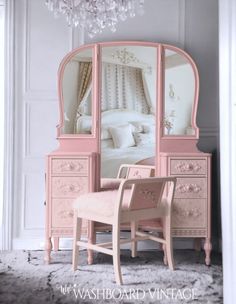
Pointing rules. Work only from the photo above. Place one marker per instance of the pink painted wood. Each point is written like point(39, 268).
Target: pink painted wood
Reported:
point(146, 199)
point(68, 176)
point(169, 151)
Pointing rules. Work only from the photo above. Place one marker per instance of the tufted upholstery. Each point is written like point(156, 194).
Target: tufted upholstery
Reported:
point(110, 183)
point(101, 203)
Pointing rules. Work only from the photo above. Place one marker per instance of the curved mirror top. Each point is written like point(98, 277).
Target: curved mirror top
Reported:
point(77, 93)
point(179, 94)
point(128, 106)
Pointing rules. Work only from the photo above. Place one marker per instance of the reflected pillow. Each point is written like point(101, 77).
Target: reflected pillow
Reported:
point(122, 136)
point(143, 139)
point(105, 132)
point(137, 126)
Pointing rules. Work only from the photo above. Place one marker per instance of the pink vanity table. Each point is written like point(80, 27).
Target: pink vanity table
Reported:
point(96, 97)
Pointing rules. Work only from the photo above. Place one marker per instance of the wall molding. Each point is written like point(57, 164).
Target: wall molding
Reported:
point(37, 243)
point(209, 132)
point(9, 126)
point(29, 93)
point(78, 37)
point(227, 47)
point(182, 16)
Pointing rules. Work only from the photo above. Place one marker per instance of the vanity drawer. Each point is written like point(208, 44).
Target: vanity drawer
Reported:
point(189, 213)
point(191, 187)
point(69, 186)
point(63, 213)
point(188, 166)
point(78, 166)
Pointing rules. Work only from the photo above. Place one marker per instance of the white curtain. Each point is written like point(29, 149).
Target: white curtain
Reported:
point(122, 87)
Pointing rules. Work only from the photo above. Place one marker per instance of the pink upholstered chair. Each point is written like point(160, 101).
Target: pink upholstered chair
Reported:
point(127, 171)
point(136, 199)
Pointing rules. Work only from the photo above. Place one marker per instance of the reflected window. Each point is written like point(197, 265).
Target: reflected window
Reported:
point(77, 94)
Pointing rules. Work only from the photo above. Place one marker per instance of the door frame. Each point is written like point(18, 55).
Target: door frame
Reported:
point(227, 78)
point(8, 127)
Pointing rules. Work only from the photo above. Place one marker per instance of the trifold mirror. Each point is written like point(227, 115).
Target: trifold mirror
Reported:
point(133, 93)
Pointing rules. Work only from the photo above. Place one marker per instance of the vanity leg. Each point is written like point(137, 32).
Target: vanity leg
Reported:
point(48, 249)
point(197, 244)
point(91, 240)
point(208, 248)
point(56, 243)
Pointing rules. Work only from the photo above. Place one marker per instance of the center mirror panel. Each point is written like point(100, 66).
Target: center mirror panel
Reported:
point(128, 106)
point(77, 84)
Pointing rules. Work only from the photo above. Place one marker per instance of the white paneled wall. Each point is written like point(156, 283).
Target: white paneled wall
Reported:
point(40, 44)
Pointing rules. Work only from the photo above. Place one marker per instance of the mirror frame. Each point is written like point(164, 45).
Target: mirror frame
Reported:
point(155, 45)
point(61, 71)
point(195, 99)
point(96, 60)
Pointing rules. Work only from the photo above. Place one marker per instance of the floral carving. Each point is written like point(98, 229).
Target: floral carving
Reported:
point(188, 188)
point(65, 214)
point(66, 188)
point(66, 166)
point(149, 195)
point(188, 167)
point(193, 213)
point(188, 232)
point(137, 174)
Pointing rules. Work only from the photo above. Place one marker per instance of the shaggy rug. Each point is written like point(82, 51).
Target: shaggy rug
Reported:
point(25, 279)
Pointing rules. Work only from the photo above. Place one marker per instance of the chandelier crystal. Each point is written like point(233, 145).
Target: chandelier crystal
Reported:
point(95, 15)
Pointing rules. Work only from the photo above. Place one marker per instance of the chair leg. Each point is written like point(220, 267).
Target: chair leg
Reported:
point(77, 235)
point(169, 242)
point(134, 243)
point(116, 253)
point(91, 240)
point(164, 252)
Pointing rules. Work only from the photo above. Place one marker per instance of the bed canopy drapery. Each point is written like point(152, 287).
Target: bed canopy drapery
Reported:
point(123, 87)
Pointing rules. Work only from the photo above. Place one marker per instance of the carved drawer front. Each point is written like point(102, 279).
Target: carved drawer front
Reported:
point(139, 173)
point(189, 213)
point(78, 166)
point(62, 214)
point(69, 186)
point(188, 166)
point(191, 188)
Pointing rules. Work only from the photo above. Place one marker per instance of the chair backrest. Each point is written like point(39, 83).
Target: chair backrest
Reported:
point(149, 192)
point(135, 171)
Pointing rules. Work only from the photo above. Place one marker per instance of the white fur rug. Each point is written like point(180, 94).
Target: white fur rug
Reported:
point(25, 279)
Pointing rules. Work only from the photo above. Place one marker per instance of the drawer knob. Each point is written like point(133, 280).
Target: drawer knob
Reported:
point(71, 166)
point(70, 213)
point(71, 187)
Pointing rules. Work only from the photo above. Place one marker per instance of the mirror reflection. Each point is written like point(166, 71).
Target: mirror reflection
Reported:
point(77, 94)
point(179, 94)
point(128, 107)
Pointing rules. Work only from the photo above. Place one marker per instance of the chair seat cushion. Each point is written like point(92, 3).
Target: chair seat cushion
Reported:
point(110, 183)
point(101, 203)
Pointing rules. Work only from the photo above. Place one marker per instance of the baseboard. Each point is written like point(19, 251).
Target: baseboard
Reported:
point(66, 243)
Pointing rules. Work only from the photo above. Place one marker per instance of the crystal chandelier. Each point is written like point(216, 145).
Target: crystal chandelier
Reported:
point(95, 15)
